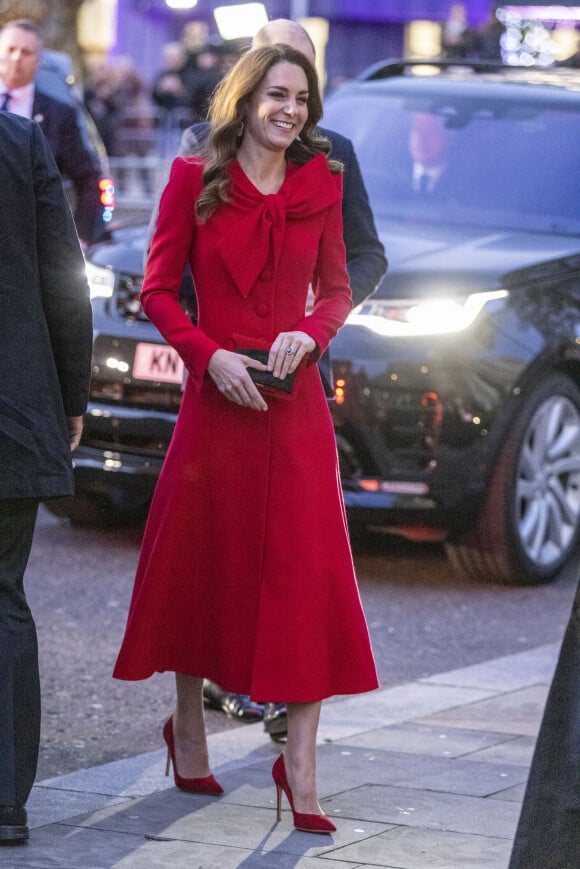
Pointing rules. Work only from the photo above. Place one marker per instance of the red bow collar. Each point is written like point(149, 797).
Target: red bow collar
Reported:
point(246, 247)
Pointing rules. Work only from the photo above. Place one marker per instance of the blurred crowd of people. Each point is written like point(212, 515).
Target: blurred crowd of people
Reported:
point(460, 40)
point(135, 118)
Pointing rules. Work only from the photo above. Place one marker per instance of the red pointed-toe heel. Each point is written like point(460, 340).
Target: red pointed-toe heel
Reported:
point(304, 822)
point(206, 785)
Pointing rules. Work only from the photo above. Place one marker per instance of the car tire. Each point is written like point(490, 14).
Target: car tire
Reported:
point(529, 526)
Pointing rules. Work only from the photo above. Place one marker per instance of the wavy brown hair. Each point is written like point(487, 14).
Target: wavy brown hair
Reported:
point(227, 111)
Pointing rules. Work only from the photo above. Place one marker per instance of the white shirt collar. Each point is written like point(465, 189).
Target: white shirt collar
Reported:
point(433, 173)
point(21, 99)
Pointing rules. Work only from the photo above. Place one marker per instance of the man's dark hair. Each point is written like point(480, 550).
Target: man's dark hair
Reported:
point(24, 24)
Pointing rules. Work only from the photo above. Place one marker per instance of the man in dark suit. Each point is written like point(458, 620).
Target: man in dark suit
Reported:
point(45, 359)
point(366, 264)
point(20, 51)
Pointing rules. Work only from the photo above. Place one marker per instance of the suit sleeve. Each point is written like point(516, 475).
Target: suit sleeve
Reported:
point(191, 145)
point(194, 140)
point(365, 255)
point(64, 289)
point(169, 255)
point(332, 294)
point(76, 162)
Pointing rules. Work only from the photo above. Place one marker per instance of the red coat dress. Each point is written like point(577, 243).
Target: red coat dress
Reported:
point(245, 573)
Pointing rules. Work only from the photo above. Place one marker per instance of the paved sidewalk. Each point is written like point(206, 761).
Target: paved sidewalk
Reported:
point(428, 774)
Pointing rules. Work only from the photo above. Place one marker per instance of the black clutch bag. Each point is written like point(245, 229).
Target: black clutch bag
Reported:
point(265, 381)
point(266, 378)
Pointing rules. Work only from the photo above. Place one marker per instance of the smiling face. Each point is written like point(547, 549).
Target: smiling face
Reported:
point(278, 109)
point(19, 56)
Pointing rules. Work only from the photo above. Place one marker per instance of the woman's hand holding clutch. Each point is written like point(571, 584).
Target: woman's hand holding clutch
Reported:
point(228, 372)
point(288, 351)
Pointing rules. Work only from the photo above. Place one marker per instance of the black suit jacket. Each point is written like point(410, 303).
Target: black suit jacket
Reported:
point(59, 124)
point(46, 322)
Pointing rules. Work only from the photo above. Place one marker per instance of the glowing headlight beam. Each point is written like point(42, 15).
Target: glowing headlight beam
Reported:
point(101, 281)
point(412, 317)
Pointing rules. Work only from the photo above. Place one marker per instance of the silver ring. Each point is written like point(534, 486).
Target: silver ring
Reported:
point(290, 351)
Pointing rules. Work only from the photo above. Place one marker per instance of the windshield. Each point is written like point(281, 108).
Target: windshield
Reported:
point(490, 162)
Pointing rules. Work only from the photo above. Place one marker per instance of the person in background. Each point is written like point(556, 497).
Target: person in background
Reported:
point(45, 354)
point(489, 38)
point(99, 97)
point(171, 93)
point(458, 39)
point(366, 264)
point(20, 51)
point(429, 148)
point(204, 79)
point(245, 573)
point(171, 88)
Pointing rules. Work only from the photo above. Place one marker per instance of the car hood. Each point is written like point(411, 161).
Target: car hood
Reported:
point(426, 259)
point(124, 252)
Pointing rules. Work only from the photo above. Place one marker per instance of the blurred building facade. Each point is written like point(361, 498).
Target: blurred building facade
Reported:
point(350, 34)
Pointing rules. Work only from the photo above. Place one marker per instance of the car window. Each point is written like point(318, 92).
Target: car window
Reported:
point(506, 163)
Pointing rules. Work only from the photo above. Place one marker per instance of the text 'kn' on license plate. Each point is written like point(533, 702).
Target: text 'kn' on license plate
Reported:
point(157, 362)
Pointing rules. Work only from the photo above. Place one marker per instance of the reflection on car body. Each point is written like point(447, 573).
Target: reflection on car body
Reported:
point(457, 410)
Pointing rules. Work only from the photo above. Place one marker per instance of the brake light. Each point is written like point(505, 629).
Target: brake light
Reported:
point(339, 393)
point(107, 197)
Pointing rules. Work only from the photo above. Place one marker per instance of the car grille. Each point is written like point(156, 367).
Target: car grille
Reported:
point(392, 431)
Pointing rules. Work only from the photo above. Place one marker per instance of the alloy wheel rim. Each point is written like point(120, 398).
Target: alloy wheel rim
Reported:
point(548, 482)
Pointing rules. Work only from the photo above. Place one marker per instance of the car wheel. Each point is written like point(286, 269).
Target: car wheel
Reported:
point(530, 523)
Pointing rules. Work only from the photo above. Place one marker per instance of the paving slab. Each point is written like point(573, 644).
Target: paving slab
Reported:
point(189, 818)
point(63, 847)
point(417, 771)
point(507, 673)
point(391, 706)
point(516, 712)
point(48, 806)
point(340, 769)
point(515, 795)
point(405, 848)
point(518, 751)
point(421, 739)
point(145, 773)
point(430, 809)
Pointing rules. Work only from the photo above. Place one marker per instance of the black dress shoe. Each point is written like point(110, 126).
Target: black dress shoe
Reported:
point(235, 705)
point(276, 721)
point(13, 827)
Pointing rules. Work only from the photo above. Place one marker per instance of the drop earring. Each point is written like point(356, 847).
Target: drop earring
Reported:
point(240, 132)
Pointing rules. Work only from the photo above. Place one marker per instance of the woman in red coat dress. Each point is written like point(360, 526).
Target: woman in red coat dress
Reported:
point(245, 574)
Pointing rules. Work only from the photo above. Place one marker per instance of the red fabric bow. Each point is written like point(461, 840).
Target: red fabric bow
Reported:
point(246, 247)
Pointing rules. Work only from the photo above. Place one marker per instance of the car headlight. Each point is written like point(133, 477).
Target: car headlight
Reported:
point(411, 317)
point(101, 281)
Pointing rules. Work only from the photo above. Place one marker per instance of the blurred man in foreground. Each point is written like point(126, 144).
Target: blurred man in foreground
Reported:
point(45, 359)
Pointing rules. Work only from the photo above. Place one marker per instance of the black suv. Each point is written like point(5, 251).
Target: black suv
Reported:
point(457, 407)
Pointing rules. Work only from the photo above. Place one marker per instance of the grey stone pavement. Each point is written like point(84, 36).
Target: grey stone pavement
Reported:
point(427, 774)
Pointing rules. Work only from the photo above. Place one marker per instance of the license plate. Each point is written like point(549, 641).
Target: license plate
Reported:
point(157, 362)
